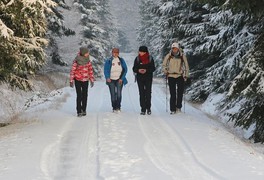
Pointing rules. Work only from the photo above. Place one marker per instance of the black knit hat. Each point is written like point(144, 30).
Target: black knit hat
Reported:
point(143, 49)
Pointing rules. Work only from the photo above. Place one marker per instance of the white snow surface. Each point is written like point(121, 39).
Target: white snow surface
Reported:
point(53, 144)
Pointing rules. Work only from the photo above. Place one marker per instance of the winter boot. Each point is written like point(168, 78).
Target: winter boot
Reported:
point(173, 112)
point(142, 113)
point(148, 111)
point(83, 113)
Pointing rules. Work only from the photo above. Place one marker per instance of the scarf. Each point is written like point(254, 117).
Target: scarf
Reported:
point(144, 58)
point(176, 55)
point(81, 60)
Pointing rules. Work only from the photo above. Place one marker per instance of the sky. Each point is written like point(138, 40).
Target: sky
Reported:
point(52, 143)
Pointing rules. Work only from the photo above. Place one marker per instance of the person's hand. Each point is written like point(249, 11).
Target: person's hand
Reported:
point(108, 80)
point(185, 78)
point(120, 81)
point(71, 84)
point(142, 71)
point(91, 84)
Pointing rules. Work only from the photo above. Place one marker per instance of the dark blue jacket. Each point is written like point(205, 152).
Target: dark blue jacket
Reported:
point(108, 66)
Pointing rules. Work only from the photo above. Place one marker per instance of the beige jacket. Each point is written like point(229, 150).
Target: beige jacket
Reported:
point(175, 67)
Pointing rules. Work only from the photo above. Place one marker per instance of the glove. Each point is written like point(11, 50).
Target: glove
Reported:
point(108, 80)
point(91, 84)
point(71, 84)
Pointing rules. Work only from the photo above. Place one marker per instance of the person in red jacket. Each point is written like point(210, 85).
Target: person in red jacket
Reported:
point(81, 74)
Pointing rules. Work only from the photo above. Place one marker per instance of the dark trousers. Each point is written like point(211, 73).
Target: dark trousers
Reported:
point(82, 93)
point(144, 87)
point(116, 93)
point(176, 96)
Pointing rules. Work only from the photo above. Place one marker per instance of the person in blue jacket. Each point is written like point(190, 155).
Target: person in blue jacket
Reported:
point(115, 70)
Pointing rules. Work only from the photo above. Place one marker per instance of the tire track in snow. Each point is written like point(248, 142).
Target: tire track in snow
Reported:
point(95, 105)
point(169, 150)
point(50, 154)
point(132, 98)
point(72, 156)
point(117, 158)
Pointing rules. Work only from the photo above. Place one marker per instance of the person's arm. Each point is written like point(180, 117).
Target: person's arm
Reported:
point(150, 68)
point(73, 69)
point(107, 69)
point(165, 64)
point(72, 73)
point(186, 67)
point(124, 67)
point(135, 66)
point(91, 72)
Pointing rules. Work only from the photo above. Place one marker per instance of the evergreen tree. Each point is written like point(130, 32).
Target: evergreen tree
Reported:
point(100, 34)
point(247, 87)
point(26, 29)
point(123, 42)
point(23, 30)
point(150, 31)
point(248, 91)
point(57, 29)
point(254, 7)
point(219, 39)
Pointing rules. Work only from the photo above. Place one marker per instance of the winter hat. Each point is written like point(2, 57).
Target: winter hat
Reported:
point(143, 49)
point(115, 50)
point(175, 45)
point(83, 51)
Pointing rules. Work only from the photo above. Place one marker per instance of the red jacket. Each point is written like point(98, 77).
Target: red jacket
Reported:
point(82, 72)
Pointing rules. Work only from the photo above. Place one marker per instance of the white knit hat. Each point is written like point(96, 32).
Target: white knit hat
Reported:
point(175, 45)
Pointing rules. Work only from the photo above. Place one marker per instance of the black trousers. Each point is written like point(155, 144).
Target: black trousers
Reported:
point(176, 95)
point(144, 87)
point(82, 93)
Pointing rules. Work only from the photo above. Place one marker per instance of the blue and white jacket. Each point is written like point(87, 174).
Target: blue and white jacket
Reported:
point(108, 66)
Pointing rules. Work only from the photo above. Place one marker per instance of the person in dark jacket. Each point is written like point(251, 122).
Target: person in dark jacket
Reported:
point(144, 67)
point(81, 73)
point(115, 70)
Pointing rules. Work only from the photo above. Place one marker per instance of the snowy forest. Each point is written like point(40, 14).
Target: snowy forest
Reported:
point(223, 41)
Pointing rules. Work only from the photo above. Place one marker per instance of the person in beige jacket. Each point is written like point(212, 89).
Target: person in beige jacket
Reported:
point(176, 68)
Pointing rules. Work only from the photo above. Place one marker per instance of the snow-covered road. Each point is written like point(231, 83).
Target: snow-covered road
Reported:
point(54, 144)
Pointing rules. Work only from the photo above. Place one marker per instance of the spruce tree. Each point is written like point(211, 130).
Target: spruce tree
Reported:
point(27, 27)
point(222, 41)
point(22, 51)
point(99, 33)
